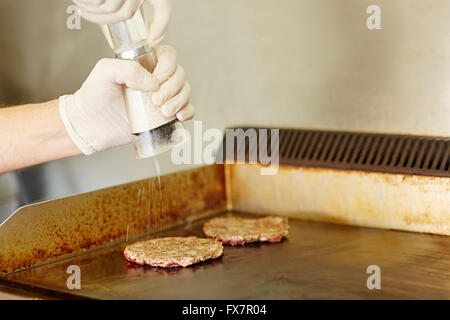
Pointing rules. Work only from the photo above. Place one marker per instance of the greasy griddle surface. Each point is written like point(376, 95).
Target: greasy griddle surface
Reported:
point(316, 261)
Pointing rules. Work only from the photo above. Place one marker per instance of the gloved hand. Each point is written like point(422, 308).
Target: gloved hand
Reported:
point(95, 116)
point(112, 11)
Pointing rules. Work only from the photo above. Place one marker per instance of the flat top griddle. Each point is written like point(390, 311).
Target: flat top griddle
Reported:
point(317, 261)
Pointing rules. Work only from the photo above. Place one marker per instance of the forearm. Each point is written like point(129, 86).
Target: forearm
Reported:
point(32, 134)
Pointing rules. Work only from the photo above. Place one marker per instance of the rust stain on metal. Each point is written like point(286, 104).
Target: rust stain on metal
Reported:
point(57, 228)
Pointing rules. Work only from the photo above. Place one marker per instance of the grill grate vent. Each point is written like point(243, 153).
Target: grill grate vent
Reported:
point(357, 151)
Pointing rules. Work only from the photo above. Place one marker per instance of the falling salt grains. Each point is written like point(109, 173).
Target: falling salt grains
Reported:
point(159, 195)
point(158, 169)
point(139, 195)
point(150, 204)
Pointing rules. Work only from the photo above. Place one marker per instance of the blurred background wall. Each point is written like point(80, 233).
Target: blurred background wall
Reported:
point(285, 63)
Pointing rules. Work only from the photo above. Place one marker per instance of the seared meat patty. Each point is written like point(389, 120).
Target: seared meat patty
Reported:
point(173, 251)
point(237, 230)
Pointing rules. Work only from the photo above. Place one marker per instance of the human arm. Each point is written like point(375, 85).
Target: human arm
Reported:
point(93, 118)
point(32, 134)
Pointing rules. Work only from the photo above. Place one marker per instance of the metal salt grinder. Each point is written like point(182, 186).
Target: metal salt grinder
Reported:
point(153, 132)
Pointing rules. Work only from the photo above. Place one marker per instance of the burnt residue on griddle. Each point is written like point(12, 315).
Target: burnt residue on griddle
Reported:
point(59, 228)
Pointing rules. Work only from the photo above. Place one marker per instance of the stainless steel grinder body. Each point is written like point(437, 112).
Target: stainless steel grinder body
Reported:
point(153, 132)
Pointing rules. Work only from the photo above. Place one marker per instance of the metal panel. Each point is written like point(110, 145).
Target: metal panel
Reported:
point(417, 155)
point(38, 233)
point(372, 199)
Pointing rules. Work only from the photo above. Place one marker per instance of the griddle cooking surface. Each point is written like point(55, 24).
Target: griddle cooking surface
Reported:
point(316, 261)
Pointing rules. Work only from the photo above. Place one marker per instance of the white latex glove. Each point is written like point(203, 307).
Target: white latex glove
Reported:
point(95, 116)
point(113, 11)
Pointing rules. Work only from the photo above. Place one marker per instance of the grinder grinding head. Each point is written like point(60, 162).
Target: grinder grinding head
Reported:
point(161, 139)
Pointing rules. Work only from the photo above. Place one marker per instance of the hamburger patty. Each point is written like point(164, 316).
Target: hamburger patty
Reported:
point(173, 251)
point(237, 230)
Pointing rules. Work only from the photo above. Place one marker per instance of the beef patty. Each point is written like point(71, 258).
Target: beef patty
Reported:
point(237, 230)
point(173, 251)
